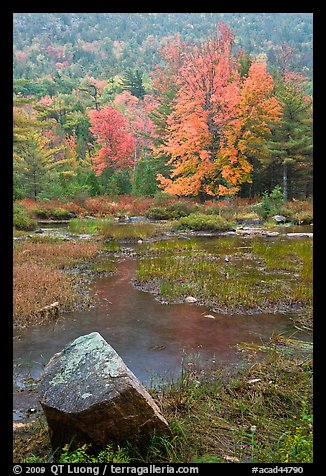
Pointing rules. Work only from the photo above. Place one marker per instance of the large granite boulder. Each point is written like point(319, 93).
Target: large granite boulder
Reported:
point(90, 396)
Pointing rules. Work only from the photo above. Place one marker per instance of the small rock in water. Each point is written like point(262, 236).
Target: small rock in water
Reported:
point(39, 230)
point(139, 241)
point(209, 316)
point(190, 299)
point(272, 233)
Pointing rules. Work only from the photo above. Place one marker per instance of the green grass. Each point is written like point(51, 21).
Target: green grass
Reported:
point(263, 275)
point(107, 229)
point(88, 225)
point(139, 231)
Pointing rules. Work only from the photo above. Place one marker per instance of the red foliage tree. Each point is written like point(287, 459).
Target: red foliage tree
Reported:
point(218, 120)
point(136, 112)
point(115, 144)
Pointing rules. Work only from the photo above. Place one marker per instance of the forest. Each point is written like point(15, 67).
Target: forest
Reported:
point(70, 98)
point(163, 204)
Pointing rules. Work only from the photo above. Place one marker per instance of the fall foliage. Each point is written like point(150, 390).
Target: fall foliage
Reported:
point(207, 119)
point(218, 120)
point(115, 143)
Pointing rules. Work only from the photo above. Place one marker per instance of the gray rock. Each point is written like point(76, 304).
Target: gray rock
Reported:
point(271, 233)
point(250, 231)
point(300, 235)
point(190, 299)
point(89, 395)
point(279, 218)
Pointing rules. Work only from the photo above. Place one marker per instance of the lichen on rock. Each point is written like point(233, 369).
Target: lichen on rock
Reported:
point(89, 395)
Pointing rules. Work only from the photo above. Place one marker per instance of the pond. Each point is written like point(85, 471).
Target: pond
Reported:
point(153, 339)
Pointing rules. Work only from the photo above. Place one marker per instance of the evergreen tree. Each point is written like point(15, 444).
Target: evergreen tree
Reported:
point(132, 81)
point(291, 144)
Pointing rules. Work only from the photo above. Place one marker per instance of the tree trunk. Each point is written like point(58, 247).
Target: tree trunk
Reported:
point(285, 181)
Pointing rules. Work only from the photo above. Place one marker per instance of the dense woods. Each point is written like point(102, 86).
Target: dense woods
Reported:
point(189, 104)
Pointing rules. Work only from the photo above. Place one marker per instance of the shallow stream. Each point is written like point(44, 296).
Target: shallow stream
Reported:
point(153, 339)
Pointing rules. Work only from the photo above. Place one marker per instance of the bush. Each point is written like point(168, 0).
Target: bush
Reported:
point(272, 204)
point(158, 213)
point(201, 222)
point(303, 217)
point(171, 211)
point(21, 219)
point(48, 213)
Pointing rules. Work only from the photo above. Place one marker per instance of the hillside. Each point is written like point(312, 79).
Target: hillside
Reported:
point(105, 44)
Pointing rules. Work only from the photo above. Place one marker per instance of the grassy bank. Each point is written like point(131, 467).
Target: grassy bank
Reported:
point(261, 414)
point(39, 279)
point(165, 207)
point(231, 275)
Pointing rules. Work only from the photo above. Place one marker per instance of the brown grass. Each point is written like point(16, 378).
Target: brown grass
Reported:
point(38, 280)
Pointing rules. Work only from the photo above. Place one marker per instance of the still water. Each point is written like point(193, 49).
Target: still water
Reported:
point(151, 338)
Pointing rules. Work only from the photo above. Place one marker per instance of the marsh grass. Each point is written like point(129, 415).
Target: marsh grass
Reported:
point(107, 229)
point(240, 420)
point(139, 231)
point(265, 276)
point(31, 442)
point(38, 278)
point(88, 225)
point(202, 222)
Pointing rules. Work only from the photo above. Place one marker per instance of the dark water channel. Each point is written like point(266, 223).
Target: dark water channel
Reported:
point(152, 338)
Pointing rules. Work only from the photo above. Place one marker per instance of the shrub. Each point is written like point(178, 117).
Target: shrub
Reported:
point(59, 214)
point(171, 211)
point(201, 222)
point(21, 219)
point(158, 213)
point(303, 217)
point(272, 204)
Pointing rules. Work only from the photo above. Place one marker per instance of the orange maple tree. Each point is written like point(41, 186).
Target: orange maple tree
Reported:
point(218, 121)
